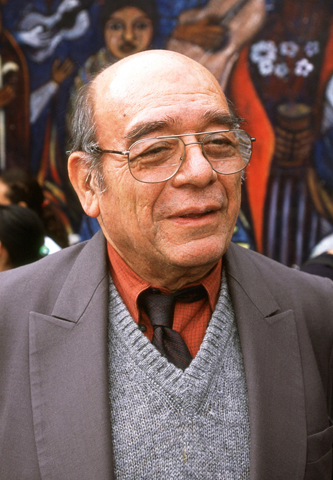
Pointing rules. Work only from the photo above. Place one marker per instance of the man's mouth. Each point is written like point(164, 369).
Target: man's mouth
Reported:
point(197, 215)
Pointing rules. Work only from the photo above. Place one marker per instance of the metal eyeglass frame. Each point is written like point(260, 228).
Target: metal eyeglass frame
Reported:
point(182, 158)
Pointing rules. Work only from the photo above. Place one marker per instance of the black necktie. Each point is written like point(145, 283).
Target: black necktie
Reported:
point(159, 309)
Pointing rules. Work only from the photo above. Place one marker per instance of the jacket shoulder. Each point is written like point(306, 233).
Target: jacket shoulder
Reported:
point(50, 269)
point(35, 287)
point(274, 274)
point(264, 281)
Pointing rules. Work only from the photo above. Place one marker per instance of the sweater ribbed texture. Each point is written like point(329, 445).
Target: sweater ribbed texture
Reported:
point(174, 425)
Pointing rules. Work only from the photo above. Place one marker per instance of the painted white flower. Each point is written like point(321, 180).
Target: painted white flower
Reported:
point(281, 70)
point(303, 68)
point(263, 51)
point(289, 49)
point(266, 67)
point(312, 48)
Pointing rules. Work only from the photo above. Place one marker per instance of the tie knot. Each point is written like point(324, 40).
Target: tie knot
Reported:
point(160, 308)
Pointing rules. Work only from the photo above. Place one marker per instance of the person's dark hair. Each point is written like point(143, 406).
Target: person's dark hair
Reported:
point(147, 6)
point(24, 187)
point(84, 136)
point(21, 233)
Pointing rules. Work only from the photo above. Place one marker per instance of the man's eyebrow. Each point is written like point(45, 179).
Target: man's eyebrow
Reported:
point(143, 129)
point(146, 128)
point(225, 119)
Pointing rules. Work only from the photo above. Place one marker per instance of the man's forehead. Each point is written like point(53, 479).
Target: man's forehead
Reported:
point(160, 91)
point(150, 74)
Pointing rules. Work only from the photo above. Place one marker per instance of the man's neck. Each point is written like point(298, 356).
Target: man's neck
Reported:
point(174, 278)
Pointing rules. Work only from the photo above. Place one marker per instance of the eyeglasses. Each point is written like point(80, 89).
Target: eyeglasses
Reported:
point(155, 160)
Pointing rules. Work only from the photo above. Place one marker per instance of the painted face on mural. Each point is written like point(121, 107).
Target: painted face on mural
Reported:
point(128, 30)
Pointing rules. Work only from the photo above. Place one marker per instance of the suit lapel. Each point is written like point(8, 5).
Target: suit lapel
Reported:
point(69, 375)
point(273, 373)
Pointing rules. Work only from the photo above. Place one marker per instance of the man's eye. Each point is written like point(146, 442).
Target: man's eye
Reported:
point(217, 143)
point(154, 154)
point(220, 148)
point(158, 150)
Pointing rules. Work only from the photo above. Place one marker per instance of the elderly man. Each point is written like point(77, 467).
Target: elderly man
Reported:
point(158, 350)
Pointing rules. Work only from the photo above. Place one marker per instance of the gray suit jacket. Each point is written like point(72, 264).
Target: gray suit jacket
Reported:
point(54, 411)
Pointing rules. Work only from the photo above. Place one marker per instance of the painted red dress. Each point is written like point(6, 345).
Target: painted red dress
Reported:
point(278, 85)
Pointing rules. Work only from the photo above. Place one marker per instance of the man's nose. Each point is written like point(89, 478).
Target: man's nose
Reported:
point(195, 169)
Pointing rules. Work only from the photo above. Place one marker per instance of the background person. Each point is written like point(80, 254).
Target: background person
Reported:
point(21, 237)
point(19, 187)
point(321, 265)
point(238, 380)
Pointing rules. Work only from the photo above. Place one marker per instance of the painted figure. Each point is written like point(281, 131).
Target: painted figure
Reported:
point(215, 34)
point(14, 102)
point(55, 36)
point(128, 27)
point(281, 95)
point(42, 31)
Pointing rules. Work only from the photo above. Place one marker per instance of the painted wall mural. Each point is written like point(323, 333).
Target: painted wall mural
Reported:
point(273, 58)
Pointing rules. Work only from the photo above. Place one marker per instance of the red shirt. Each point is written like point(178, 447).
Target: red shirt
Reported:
point(190, 319)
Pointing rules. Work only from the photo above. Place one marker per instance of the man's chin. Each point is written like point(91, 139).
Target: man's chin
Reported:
point(198, 253)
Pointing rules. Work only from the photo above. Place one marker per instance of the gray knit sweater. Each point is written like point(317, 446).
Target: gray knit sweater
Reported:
point(169, 424)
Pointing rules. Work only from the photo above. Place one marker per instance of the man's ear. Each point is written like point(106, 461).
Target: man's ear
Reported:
point(81, 180)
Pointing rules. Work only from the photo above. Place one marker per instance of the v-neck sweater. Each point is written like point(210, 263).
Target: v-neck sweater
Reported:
point(169, 424)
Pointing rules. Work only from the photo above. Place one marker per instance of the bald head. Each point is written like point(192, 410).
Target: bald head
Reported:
point(149, 72)
point(152, 64)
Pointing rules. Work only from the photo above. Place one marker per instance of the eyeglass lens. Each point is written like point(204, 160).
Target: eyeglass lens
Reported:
point(157, 159)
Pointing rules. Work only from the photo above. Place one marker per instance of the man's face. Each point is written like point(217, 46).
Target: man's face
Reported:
point(184, 225)
point(128, 31)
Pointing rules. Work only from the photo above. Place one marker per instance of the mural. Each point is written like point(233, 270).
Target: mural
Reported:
point(285, 71)
point(274, 59)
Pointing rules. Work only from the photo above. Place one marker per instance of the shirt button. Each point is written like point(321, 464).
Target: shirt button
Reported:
point(142, 327)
